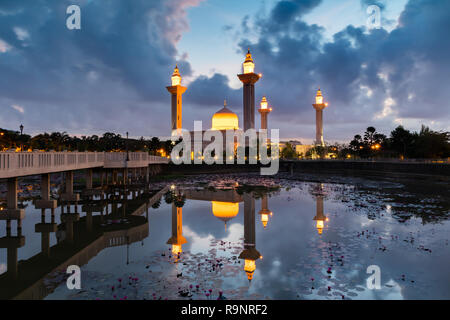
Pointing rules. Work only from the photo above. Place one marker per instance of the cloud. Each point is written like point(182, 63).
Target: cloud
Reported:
point(18, 108)
point(403, 70)
point(114, 68)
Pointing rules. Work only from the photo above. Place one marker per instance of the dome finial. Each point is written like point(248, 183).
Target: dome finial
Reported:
point(225, 102)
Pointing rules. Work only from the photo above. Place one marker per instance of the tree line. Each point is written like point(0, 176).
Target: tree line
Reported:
point(61, 141)
point(401, 143)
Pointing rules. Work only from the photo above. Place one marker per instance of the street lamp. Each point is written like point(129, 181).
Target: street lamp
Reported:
point(128, 156)
point(21, 133)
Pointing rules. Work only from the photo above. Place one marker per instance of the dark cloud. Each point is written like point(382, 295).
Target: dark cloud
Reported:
point(114, 66)
point(370, 77)
point(113, 72)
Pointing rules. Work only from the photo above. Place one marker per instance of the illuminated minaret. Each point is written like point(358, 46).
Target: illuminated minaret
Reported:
point(264, 111)
point(250, 254)
point(265, 212)
point(177, 239)
point(320, 217)
point(177, 90)
point(249, 78)
point(319, 106)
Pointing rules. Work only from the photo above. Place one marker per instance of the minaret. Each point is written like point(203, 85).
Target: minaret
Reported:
point(319, 106)
point(250, 254)
point(177, 239)
point(264, 111)
point(249, 78)
point(177, 90)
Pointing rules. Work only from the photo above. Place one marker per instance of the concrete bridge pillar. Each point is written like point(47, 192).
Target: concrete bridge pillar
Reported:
point(12, 211)
point(11, 199)
point(69, 195)
point(45, 202)
point(88, 176)
point(125, 176)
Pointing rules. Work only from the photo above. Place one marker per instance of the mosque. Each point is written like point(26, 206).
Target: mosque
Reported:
point(226, 120)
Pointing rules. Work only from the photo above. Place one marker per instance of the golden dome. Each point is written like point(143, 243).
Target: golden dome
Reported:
point(225, 119)
point(225, 210)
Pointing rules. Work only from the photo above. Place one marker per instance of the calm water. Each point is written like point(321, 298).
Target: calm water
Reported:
point(208, 236)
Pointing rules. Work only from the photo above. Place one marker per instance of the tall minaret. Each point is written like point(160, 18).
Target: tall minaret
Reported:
point(177, 90)
point(264, 111)
point(319, 106)
point(249, 78)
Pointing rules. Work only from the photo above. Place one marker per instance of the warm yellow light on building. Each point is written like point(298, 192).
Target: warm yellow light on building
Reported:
point(176, 77)
point(249, 268)
point(176, 249)
point(264, 103)
point(225, 210)
point(264, 219)
point(248, 65)
point(225, 119)
point(319, 97)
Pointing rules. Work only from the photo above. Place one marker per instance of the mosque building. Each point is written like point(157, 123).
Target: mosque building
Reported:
point(224, 119)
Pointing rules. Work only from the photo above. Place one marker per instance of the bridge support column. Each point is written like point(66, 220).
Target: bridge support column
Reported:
point(88, 177)
point(45, 202)
point(69, 195)
point(125, 176)
point(113, 176)
point(12, 211)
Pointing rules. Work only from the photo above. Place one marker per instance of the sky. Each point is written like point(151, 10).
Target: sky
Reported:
point(111, 75)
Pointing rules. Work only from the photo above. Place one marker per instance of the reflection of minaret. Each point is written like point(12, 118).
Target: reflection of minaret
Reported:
point(249, 78)
point(250, 254)
point(319, 106)
point(265, 212)
point(177, 239)
point(225, 211)
point(320, 216)
point(176, 90)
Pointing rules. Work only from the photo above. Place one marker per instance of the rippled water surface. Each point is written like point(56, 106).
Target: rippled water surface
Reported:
point(206, 238)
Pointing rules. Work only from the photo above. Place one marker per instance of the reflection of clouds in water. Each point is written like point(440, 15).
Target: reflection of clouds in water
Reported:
point(201, 244)
point(390, 290)
point(2, 268)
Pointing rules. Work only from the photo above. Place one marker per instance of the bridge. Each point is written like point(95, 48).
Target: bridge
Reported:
point(108, 165)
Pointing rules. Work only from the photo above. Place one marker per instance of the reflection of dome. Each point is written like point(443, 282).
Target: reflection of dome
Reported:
point(225, 210)
point(225, 119)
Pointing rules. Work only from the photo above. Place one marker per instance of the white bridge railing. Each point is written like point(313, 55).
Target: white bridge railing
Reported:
point(16, 164)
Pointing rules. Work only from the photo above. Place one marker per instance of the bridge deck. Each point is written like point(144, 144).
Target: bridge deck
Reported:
point(19, 164)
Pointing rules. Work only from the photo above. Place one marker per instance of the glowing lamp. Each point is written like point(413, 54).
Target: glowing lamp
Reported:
point(264, 103)
point(264, 219)
point(249, 268)
point(176, 77)
point(176, 249)
point(248, 65)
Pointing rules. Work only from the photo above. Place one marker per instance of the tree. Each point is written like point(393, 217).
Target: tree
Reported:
point(401, 141)
point(288, 152)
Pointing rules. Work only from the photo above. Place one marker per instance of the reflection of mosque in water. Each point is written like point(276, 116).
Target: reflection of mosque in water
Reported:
point(79, 239)
point(225, 206)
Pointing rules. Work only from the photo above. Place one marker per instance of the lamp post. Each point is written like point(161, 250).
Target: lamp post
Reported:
point(21, 133)
point(128, 156)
